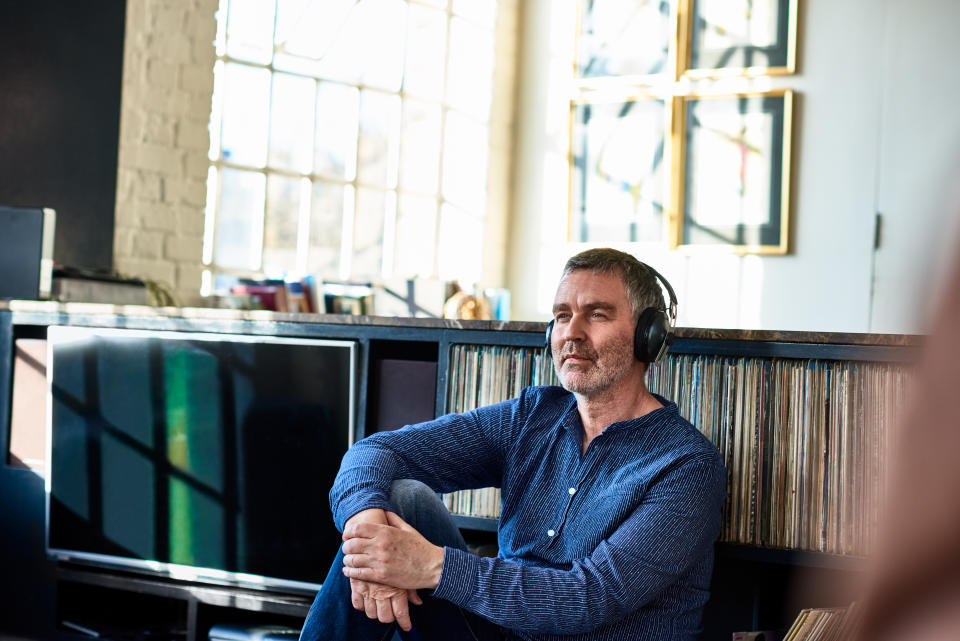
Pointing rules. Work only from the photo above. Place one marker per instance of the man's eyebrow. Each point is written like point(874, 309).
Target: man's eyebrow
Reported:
point(601, 305)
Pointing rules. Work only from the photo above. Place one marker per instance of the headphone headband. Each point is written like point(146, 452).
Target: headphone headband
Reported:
point(672, 307)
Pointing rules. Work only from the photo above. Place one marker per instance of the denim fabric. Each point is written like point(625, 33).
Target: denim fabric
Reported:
point(333, 618)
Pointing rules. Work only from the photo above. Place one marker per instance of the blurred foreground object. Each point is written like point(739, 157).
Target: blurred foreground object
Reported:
point(913, 587)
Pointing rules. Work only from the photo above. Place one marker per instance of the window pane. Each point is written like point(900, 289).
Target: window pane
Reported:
point(307, 30)
point(363, 45)
point(216, 111)
point(291, 122)
point(337, 121)
point(416, 236)
point(326, 228)
point(240, 219)
point(368, 232)
point(465, 162)
point(470, 70)
point(420, 147)
point(280, 226)
point(250, 30)
point(460, 246)
point(482, 12)
point(379, 134)
point(384, 35)
point(426, 56)
point(246, 109)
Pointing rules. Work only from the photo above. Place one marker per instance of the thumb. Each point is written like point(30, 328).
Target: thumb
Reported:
point(414, 597)
point(395, 521)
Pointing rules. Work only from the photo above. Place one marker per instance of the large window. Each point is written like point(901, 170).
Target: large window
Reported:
point(349, 138)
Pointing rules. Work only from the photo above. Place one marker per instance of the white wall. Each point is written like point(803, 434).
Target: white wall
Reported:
point(873, 129)
point(919, 162)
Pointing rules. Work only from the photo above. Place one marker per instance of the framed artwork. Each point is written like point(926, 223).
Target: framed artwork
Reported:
point(741, 37)
point(732, 178)
point(619, 169)
point(617, 38)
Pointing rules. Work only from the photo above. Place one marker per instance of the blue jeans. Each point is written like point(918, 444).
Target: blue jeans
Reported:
point(332, 616)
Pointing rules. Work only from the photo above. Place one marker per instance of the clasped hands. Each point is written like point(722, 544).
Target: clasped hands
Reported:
point(387, 561)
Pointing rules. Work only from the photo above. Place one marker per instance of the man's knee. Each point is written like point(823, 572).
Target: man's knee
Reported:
point(409, 497)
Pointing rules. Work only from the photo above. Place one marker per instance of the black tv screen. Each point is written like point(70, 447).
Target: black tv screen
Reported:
point(204, 456)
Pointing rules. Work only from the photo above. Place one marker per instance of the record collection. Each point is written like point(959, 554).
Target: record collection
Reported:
point(482, 375)
point(803, 441)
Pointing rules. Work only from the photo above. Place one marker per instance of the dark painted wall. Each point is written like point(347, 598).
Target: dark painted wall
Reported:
point(61, 65)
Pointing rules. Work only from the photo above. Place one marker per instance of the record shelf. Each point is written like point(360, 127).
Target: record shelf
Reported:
point(404, 375)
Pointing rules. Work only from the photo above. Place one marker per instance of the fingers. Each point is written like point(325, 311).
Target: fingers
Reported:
point(359, 546)
point(414, 597)
point(358, 590)
point(361, 529)
point(363, 574)
point(401, 610)
point(385, 610)
point(394, 520)
point(370, 607)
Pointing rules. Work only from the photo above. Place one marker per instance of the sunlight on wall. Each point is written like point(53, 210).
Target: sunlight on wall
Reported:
point(751, 292)
point(711, 287)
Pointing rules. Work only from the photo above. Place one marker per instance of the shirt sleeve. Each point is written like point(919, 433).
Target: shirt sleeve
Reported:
point(453, 452)
point(672, 529)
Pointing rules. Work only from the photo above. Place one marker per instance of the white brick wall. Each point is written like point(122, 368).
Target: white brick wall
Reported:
point(161, 187)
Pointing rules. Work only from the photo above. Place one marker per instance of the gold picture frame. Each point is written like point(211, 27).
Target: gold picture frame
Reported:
point(637, 43)
point(731, 172)
point(724, 38)
point(619, 168)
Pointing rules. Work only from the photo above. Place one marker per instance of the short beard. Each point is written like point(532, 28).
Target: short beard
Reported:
point(609, 365)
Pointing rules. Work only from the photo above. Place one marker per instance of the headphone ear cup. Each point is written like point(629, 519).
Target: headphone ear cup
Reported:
point(549, 332)
point(651, 335)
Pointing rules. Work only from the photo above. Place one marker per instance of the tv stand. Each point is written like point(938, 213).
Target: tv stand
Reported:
point(122, 606)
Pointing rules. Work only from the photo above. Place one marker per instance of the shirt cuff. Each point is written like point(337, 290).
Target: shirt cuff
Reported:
point(350, 508)
point(458, 576)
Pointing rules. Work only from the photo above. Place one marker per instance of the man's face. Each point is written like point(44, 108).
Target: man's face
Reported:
point(593, 326)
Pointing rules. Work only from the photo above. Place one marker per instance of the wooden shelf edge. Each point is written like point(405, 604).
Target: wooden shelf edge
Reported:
point(782, 556)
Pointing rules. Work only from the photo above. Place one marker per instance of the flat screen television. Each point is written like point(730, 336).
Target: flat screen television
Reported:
point(206, 457)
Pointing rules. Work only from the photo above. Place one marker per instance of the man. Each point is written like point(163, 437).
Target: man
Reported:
point(611, 500)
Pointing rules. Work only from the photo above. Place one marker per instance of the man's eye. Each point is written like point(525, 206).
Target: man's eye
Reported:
point(599, 315)
point(562, 316)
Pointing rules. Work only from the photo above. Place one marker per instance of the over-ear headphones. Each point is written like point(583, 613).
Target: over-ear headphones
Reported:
point(654, 331)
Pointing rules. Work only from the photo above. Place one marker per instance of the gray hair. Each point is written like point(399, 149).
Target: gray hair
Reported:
point(643, 288)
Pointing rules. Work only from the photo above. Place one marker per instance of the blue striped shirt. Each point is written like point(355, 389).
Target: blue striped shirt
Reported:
point(613, 543)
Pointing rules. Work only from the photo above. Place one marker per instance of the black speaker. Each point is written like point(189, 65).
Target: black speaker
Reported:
point(654, 331)
point(26, 252)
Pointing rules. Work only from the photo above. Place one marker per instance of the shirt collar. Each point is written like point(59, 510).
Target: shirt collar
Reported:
point(571, 417)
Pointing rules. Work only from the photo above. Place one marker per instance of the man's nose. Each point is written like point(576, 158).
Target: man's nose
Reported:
point(575, 329)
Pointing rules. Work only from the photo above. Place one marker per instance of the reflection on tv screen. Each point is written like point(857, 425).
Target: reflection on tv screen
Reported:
point(210, 451)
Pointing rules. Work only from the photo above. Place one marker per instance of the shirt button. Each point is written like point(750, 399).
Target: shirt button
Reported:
point(572, 491)
point(550, 532)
